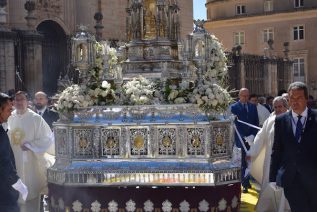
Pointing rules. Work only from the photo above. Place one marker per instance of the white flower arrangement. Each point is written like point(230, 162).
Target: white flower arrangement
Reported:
point(139, 91)
point(74, 97)
point(211, 97)
point(206, 91)
point(217, 65)
point(179, 94)
point(102, 95)
point(112, 61)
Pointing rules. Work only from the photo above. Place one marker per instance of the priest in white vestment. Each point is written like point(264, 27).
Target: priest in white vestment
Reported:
point(270, 199)
point(30, 137)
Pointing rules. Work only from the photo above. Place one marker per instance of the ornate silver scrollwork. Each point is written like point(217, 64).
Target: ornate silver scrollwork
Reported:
point(83, 142)
point(110, 142)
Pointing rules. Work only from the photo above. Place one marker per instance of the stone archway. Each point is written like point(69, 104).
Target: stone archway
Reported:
point(55, 56)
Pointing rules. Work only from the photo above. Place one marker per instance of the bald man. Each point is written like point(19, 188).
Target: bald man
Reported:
point(41, 107)
point(246, 112)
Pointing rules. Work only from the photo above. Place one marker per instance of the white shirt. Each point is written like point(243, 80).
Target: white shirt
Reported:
point(304, 115)
point(40, 112)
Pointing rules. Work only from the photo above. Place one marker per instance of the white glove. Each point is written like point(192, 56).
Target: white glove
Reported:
point(274, 186)
point(249, 139)
point(20, 187)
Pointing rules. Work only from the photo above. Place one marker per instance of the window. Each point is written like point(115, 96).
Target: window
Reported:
point(240, 9)
point(268, 34)
point(299, 69)
point(298, 3)
point(268, 6)
point(238, 38)
point(298, 32)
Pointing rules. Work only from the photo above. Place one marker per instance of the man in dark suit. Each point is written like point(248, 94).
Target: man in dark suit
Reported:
point(246, 112)
point(8, 174)
point(294, 152)
point(41, 107)
point(269, 103)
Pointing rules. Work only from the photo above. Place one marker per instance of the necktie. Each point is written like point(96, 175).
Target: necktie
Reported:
point(299, 128)
point(245, 110)
point(40, 113)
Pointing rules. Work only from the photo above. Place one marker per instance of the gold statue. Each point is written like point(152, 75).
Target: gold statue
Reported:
point(149, 19)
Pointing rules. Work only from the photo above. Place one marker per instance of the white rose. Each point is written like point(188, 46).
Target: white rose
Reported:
point(199, 102)
point(85, 104)
point(204, 98)
point(144, 99)
point(105, 84)
point(211, 96)
point(179, 100)
point(208, 91)
point(214, 102)
point(104, 93)
point(172, 95)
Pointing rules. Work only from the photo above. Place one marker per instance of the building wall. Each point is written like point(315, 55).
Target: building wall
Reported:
point(223, 22)
point(72, 13)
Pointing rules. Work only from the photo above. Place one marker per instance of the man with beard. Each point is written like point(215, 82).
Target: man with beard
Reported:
point(41, 107)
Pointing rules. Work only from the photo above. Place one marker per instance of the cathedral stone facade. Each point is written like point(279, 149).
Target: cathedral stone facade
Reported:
point(34, 36)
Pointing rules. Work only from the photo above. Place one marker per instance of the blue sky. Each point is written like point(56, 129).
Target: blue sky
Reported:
point(199, 9)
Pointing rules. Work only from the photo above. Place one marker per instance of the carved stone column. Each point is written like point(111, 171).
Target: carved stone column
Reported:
point(7, 60)
point(242, 73)
point(274, 82)
point(32, 45)
point(7, 65)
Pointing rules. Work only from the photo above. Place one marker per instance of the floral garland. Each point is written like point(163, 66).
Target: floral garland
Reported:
point(207, 91)
point(138, 91)
point(178, 93)
point(73, 98)
point(211, 97)
point(217, 66)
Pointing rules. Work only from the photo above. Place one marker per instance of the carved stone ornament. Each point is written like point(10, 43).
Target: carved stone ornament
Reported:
point(3, 3)
point(49, 5)
point(29, 6)
point(98, 16)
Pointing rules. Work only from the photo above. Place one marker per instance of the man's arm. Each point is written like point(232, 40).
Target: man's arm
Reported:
point(8, 173)
point(42, 136)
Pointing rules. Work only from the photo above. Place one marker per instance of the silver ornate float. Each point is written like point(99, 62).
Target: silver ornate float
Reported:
point(109, 147)
point(158, 145)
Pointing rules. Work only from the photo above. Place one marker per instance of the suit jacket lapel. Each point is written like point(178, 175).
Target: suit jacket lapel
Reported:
point(289, 127)
point(45, 112)
point(309, 121)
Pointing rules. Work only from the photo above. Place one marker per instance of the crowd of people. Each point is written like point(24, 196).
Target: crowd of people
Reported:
point(278, 138)
point(27, 150)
